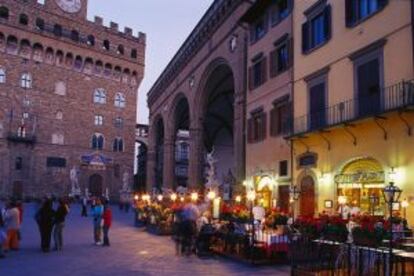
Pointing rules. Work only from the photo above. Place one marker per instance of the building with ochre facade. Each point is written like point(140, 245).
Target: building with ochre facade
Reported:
point(68, 94)
point(353, 102)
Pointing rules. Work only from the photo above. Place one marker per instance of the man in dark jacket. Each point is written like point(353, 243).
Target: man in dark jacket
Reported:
point(60, 218)
point(45, 218)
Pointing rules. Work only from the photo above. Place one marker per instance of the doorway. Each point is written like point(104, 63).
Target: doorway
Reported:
point(307, 201)
point(95, 185)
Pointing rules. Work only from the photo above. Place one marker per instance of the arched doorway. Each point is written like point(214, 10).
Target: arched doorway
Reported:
point(307, 200)
point(95, 185)
point(218, 122)
point(159, 153)
point(181, 139)
point(360, 182)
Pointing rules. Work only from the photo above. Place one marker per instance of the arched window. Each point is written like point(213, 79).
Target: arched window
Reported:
point(74, 35)
point(121, 50)
point(97, 141)
point(119, 122)
point(134, 53)
point(118, 145)
point(106, 45)
point(2, 75)
point(57, 30)
point(120, 100)
point(26, 80)
point(99, 96)
point(4, 13)
point(40, 24)
point(91, 40)
point(24, 19)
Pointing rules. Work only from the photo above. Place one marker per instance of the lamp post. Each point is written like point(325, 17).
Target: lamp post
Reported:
point(294, 194)
point(251, 197)
point(391, 195)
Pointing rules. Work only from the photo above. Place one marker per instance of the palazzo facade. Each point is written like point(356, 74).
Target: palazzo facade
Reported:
point(68, 93)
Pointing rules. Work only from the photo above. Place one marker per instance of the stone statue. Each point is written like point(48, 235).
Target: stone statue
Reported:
point(212, 183)
point(228, 181)
point(74, 181)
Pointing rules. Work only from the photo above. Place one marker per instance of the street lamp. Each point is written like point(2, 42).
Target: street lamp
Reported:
point(238, 199)
point(251, 196)
point(391, 195)
point(160, 198)
point(211, 195)
point(173, 197)
point(294, 194)
point(194, 196)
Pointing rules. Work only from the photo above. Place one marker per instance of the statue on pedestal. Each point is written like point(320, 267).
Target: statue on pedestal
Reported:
point(74, 181)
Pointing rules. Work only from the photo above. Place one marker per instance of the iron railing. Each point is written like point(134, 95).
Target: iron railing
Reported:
point(344, 259)
point(380, 101)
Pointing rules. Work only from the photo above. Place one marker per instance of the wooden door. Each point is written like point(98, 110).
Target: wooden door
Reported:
point(95, 185)
point(307, 199)
point(284, 198)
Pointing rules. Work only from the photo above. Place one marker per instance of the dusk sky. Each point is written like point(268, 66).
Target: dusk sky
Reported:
point(167, 24)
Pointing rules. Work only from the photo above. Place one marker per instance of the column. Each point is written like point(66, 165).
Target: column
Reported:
point(169, 164)
point(195, 169)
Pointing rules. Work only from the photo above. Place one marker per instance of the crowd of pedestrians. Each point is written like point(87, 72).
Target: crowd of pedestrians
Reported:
point(51, 222)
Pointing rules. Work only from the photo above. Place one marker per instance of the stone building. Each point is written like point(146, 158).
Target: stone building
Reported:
point(353, 102)
point(202, 91)
point(269, 101)
point(68, 93)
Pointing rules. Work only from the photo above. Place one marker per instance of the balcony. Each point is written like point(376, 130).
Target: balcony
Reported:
point(16, 138)
point(397, 97)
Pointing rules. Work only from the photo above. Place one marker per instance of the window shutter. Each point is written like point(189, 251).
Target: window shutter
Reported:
point(328, 22)
point(263, 127)
point(305, 37)
point(273, 63)
point(251, 80)
point(273, 122)
point(250, 127)
point(349, 12)
point(263, 64)
point(289, 47)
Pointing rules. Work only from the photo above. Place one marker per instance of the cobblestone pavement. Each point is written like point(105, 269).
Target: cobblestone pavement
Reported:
point(133, 252)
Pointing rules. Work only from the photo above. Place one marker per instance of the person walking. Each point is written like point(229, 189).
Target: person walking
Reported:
point(3, 234)
point(45, 219)
point(60, 218)
point(12, 222)
point(107, 223)
point(84, 207)
point(97, 222)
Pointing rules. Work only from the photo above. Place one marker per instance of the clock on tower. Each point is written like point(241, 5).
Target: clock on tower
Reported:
point(69, 6)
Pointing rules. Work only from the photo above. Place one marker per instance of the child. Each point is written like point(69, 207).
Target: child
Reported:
point(107, 218)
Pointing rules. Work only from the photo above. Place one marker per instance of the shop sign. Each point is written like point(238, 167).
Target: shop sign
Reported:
point(360, 177)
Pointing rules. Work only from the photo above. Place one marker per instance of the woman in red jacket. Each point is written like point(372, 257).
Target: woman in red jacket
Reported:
point(107, 222)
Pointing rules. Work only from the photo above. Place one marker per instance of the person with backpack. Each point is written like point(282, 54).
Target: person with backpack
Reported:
point(107, 223)
point(60, 217)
